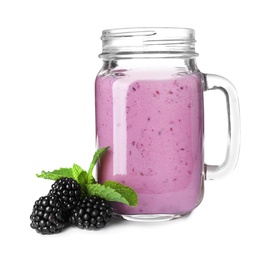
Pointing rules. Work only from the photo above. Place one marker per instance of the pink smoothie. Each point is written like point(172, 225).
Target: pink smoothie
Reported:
point(154, 129)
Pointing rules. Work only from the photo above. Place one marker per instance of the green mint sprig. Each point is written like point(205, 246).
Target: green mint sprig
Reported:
point(110, 190)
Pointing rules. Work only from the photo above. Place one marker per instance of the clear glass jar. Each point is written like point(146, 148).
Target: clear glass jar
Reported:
point(150, 111)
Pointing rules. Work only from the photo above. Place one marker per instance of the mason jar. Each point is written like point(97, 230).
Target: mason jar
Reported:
point(150, 112)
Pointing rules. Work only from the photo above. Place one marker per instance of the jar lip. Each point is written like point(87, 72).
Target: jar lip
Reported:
point(167, 32)
point(139, 40)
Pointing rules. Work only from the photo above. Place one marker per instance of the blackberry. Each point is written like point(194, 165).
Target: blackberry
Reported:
point(47, 215)
point(91, 213)
point(68, 191)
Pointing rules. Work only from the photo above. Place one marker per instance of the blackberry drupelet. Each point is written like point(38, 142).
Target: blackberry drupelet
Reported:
point(91, 213)
point(47, 215)
point(68, 191)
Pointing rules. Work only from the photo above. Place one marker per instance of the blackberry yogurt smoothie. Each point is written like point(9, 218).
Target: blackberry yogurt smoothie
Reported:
point(154, 127)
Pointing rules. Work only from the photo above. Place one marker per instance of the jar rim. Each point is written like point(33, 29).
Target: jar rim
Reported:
point(123, 42)
point(185, 33)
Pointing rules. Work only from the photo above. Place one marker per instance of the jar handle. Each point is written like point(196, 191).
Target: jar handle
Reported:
point(215, 82)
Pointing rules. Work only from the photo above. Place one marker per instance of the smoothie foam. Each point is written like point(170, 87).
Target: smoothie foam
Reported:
point(154, 129)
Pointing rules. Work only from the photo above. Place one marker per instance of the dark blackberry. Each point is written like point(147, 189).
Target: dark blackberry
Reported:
point(68, 191)
point(91, 213)
point(47, 215)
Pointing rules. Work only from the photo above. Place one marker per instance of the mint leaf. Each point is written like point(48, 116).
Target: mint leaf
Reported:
point(110, 190)
point(81, 177)
point(91, 179)
point(98, 154)
point(79, 174)
point(125, 191)
point(114, 191)
point(106, 193)
point(56, 174)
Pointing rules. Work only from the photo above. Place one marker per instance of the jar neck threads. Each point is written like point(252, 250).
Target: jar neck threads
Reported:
point(149, 42)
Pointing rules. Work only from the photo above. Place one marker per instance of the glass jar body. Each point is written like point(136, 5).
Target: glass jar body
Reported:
point(150, 112)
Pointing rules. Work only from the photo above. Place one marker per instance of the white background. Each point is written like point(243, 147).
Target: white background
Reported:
point(48, 63)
